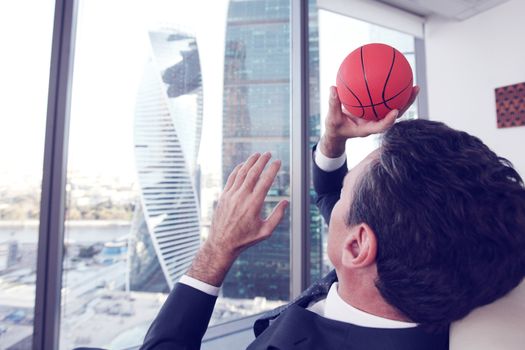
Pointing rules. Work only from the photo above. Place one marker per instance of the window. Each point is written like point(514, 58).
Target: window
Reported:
point(24, 71)
point(166, 101)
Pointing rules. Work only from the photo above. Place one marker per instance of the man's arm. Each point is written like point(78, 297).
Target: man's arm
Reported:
point(236, 225)
point(339, 127)
point(182, 320)
point(327, 184)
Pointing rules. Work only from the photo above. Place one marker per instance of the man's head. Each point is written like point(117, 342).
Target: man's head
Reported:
point(445, 217)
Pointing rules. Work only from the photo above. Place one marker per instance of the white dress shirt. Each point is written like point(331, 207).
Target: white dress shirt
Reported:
point(335, 308)
point(202, 286)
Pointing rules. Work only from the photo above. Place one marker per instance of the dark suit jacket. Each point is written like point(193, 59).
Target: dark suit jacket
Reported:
point(183, 319)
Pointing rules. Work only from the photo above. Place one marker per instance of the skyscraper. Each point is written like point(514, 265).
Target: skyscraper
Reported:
point(168, 123)
point(256, 119)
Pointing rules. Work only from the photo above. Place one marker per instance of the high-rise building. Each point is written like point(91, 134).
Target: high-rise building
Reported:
point(168, 123)
point(256, 118)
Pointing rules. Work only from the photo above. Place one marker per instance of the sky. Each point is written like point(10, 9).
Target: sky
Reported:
point(110, 60)
point(111, 50)
point(24, 74)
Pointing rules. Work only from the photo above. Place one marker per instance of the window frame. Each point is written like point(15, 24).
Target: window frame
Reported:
point(51, 229)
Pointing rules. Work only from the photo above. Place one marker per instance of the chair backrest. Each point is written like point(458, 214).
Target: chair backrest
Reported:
point(500, 325)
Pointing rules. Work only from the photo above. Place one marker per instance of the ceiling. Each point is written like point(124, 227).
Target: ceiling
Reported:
point(450, 9)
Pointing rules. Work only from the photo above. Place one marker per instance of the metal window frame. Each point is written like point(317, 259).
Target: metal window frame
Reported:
point(51, 230)
point(421, 76)
point(300, 152)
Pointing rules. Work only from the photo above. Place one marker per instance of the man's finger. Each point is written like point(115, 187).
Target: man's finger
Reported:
point(334, 104)
point(255, 171)
point(274, 218)
point(265, 181)
point(241, 173)
point(375, 127)
point(231, 177)
point(413, 96)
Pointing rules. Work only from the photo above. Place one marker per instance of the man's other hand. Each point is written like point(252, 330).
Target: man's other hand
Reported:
point(340, 125)
point(237, 222)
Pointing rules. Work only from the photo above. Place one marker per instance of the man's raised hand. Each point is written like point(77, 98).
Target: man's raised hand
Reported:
point(237, 222)
point(341, 125)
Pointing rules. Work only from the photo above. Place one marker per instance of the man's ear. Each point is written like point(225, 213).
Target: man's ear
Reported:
point(359, 247)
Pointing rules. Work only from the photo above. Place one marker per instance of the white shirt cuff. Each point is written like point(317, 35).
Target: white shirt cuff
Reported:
point(202, 286)
point(328, 164)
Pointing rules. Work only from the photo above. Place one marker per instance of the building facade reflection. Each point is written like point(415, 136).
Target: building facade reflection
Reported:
point(168, 123)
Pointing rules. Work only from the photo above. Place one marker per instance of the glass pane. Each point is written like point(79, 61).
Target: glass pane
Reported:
point(26, 38)
point(324, 27)
point(256, 119)
point(165, 103)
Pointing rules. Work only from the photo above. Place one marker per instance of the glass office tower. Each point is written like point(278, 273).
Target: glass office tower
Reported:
point(256, 113)
point(168, 123)
point(256, 118)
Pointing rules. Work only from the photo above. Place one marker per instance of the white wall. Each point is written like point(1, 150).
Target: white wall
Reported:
point(465, 62)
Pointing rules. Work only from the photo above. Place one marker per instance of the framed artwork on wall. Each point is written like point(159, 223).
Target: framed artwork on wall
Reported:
point(510, 105)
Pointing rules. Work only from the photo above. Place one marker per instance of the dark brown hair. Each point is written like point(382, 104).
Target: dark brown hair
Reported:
point(449, 216)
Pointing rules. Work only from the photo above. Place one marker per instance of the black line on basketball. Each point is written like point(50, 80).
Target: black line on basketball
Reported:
point(357, 98)
point(390, 99)
point(388, 77)
point(366, 84)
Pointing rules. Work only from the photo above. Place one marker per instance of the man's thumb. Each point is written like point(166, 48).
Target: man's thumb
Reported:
point(274, 218)
point(333, 102)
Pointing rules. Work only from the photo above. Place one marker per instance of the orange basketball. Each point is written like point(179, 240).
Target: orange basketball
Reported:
point(373, 80)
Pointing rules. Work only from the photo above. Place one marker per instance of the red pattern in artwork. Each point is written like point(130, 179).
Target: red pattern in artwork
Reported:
point(510, 105)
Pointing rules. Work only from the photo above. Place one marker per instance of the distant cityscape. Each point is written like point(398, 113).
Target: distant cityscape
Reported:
point(87, 198)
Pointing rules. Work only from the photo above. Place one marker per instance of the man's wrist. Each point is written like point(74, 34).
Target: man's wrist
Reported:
point(200, 285)
point(210, 265)
point(332, 146)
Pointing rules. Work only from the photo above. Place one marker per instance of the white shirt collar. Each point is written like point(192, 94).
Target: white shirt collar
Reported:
point(337, 309)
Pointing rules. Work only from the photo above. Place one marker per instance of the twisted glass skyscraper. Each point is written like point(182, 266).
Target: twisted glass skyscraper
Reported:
point(168, 123)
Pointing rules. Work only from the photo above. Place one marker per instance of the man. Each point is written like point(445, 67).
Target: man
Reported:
point(426, 228)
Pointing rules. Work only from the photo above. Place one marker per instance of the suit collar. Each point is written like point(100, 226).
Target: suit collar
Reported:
point(315, 292)
point(336, 308)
